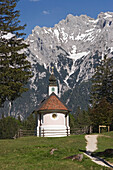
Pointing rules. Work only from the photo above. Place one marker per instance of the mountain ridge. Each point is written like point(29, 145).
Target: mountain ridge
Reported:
point(75, 46)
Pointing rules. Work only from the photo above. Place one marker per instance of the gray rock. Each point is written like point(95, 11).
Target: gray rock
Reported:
point(78, 157)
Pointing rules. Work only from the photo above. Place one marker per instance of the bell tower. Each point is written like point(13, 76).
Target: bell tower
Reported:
point(53, 84)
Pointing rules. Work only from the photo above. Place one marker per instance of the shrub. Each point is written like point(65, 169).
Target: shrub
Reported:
point(8, 127)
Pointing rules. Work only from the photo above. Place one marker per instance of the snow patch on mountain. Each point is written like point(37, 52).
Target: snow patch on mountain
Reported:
point(111, 49)
point(93, 20)
point(56, 32)
point(77, 56)
point(42, 75)
point(107, 15)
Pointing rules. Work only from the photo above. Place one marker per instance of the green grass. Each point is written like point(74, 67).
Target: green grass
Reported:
point(33, 153)
point(105, 141)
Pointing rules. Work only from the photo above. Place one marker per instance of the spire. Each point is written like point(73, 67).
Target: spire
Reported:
point(52, 79)
point(53, 83)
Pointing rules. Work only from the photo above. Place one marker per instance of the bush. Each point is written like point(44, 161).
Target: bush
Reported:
point(8, 127)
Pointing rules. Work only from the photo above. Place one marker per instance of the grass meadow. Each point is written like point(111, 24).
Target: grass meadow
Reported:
point(33, 153)
point(105, 141)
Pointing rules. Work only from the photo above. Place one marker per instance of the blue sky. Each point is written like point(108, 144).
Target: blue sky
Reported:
point(50, 12)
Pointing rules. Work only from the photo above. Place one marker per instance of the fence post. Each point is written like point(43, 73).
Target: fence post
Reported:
point(19, 133)
point(67, 131)
point(43, 132)
point(108, 128)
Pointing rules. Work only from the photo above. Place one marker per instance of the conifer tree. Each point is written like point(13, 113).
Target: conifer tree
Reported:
point(14, 66)
point(101, 112)
point(83, 119)
point(102, 82)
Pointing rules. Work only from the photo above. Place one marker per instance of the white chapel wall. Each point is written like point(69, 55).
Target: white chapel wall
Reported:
point(49, 120)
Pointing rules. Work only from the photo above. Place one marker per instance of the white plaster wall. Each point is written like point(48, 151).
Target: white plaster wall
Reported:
point(68, 120)
point(48, 120)
point(50, 90)
point(53, 127)
point(53, 131)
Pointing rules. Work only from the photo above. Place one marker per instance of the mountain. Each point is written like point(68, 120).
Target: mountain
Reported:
point(74, 46)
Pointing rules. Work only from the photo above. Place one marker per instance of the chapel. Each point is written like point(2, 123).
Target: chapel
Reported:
point(52, 114)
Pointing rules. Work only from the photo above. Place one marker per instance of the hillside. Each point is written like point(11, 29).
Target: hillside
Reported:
point(34, 153)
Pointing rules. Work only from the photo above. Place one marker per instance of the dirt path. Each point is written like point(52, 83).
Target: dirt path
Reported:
point(91, 143)
point(91, 146)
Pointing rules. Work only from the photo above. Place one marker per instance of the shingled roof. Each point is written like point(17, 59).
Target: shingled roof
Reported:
point(52, 104)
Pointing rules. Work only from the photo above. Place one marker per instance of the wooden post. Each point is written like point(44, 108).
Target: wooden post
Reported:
point(108, 128)
point(99, 128)
point(66, 120)
point(90, 129)
point(67, 131)
point(19, 133)
point(43, 132)
point(40, 119)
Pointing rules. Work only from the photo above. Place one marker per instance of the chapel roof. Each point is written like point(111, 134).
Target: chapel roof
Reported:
point(52, 104)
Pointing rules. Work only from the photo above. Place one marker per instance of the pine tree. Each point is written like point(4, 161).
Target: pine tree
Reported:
point(101, 114)
point(83, 119)
point(102, 82)
point(14, 67)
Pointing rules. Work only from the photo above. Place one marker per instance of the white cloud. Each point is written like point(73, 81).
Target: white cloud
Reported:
point(34, 0)
point(46, 12)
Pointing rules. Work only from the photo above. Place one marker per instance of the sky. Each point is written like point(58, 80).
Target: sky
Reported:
point(49, 12)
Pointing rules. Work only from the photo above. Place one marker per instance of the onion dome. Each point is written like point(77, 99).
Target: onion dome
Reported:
point(52, 80)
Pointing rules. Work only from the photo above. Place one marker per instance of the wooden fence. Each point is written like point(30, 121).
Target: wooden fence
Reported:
point(73, 131)
point(22, 133)
point(55, 132)
point(84, 130)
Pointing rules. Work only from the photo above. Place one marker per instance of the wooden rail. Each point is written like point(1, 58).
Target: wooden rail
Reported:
point(44, 132)
point(22, 133)
point(54, 132)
